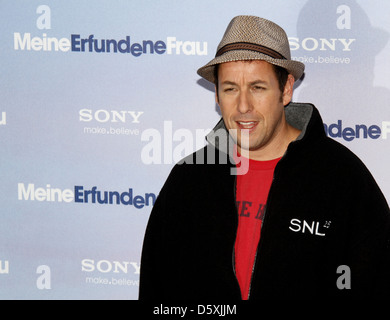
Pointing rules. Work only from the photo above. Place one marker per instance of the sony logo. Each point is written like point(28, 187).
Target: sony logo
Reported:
point(104, 266)
point(322, 44)
point(102, 115)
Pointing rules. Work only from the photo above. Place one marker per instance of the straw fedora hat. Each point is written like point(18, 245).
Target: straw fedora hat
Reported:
point(253, 38)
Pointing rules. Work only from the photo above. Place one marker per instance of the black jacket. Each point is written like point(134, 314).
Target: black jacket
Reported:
point(325, 230)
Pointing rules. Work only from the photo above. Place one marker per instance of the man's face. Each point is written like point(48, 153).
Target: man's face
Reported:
point(251, 103)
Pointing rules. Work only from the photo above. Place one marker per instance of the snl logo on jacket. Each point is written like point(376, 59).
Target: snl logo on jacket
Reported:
point(315, 228)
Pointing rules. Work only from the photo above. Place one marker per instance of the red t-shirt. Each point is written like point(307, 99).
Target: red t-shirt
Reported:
point(251, 196)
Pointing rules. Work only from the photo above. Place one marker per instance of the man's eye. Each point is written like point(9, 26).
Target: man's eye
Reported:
point(258, 88)
point(228, 89)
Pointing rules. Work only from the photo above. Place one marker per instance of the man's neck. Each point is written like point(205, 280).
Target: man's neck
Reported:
point(275, 149)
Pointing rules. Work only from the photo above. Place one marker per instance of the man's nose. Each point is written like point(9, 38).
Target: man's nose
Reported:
point(244, 103)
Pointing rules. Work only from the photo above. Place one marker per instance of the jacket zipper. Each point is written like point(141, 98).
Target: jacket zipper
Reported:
point(264, 217)
point(257, 250)
point(235, 237)
point(261, 228)
point(254, 262)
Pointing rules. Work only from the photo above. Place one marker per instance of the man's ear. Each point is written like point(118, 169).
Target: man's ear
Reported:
point(288, 90)
point(216, 95)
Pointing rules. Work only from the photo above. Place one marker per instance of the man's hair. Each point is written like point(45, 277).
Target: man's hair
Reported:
point(281, 75)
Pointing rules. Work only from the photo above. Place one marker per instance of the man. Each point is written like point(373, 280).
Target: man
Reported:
point(305, 219)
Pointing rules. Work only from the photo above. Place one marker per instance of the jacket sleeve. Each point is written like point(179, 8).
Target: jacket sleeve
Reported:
point(369, 241)
point(153, 258)
point(150, 285)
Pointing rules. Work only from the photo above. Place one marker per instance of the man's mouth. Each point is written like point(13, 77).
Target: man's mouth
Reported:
point(248, 125)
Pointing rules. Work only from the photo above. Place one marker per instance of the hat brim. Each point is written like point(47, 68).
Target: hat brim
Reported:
point(294, 67)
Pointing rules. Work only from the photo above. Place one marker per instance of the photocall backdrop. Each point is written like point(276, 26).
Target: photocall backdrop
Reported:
point(99, 99)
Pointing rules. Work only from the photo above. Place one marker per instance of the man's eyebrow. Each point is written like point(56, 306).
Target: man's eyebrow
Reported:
point(229, 82)
point(259, 81)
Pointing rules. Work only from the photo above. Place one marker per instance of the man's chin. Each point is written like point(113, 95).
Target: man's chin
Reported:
point(244, 149)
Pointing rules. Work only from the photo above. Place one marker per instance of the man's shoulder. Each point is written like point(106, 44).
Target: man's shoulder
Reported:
point(337, 158)
point(341, 152)
point(208, 155)
point(194, 174)
point(204, 163)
